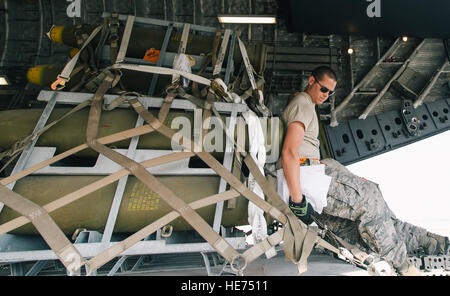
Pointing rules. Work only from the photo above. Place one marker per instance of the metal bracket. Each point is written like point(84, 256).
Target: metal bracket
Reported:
point(417, 262)
point(410, 118)
point(216, 265)
point(436, 262)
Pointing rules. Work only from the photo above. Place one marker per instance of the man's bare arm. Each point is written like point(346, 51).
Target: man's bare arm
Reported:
point(290, 159)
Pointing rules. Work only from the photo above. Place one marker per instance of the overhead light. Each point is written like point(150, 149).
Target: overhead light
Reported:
point(3, 80)
point(247, 19)
point(350, 51)
point(405, 38)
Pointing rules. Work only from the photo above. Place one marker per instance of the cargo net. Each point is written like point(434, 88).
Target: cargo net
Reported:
point(297, 239)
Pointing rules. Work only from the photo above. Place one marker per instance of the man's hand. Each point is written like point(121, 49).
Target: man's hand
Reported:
point(302, 210)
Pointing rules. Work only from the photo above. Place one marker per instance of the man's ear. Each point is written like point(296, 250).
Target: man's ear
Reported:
point(311, 80)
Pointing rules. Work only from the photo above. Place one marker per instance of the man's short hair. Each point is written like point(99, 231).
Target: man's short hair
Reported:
point(319, 72)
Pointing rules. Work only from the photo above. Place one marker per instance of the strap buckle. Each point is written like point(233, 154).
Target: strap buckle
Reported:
point(166, 231)
point(59, 83)
point(238, 264)
point(113, 20)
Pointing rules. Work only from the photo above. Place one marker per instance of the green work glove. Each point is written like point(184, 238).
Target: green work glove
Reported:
point(304, 211)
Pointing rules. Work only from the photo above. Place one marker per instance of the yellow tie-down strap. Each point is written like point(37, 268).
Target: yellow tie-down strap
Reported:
point(52, 234)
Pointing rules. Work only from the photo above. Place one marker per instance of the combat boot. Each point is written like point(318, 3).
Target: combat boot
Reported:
point(408, 269)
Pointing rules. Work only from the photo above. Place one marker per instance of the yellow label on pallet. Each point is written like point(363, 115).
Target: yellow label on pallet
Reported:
point(142, 199)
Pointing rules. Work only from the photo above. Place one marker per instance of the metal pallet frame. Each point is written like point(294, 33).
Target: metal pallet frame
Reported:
point(166, 58)
point(31, 155)
point(98, 242)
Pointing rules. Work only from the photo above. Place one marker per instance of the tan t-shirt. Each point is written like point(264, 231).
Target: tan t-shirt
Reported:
point(302, 109)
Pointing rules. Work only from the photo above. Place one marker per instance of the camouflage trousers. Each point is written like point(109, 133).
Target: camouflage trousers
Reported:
point(356, 212)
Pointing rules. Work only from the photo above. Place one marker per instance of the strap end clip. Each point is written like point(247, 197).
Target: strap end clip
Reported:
point(59, 83)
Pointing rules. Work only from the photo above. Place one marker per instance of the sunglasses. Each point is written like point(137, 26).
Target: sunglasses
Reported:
point(323, 88)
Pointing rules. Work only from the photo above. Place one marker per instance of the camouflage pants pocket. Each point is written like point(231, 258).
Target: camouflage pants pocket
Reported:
point(342, 200)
